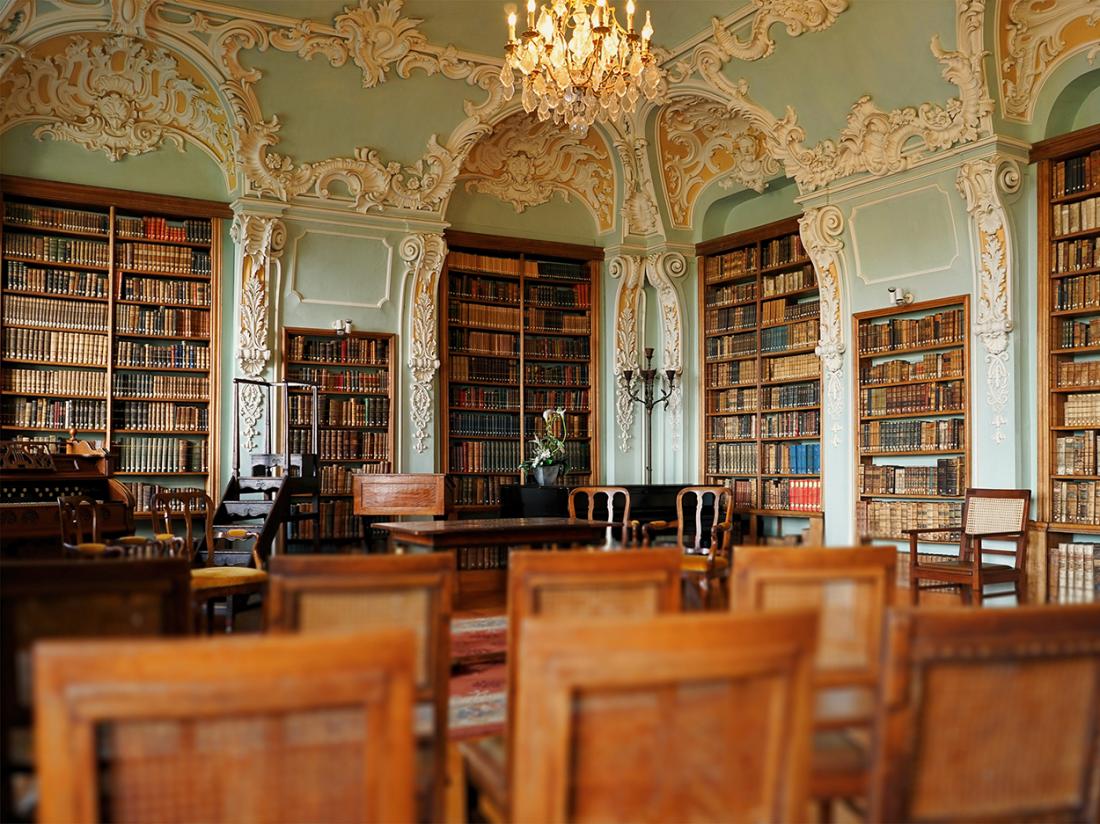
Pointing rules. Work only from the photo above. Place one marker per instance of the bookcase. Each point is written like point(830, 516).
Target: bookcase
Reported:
point(110, 313)
point(913, 436)
point(355, 378)
point(520, 326)
point(761, 404)
point(1068, 177)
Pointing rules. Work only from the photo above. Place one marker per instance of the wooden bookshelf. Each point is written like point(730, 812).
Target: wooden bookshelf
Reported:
point(354, 373)
point(912, 440)
point(110, 315)
point(761, 392)
point(520, 328)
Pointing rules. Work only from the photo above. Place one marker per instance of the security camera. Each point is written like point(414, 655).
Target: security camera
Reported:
point(900, 297)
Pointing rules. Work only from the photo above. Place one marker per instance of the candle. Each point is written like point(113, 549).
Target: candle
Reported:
point(530, 15)
point(511, 27)
point(630, 16)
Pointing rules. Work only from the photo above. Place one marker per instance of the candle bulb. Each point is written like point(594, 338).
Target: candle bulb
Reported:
point(530, 15)
point(512, 27)
point(630, 16)
point(647, 32)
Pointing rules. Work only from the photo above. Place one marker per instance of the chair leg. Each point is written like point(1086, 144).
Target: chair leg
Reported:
point(825, 810)
point(914, 590)
point(976, 594)
point(229, 614)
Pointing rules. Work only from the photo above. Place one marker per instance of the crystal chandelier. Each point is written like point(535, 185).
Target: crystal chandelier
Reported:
point(580, 65)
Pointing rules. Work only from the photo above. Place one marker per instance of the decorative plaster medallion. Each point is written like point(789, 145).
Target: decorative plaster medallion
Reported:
point(424, 255)
point(630, 270)
point(378, 37)
point(524, 161)
point(981, 182)
point(821, 229)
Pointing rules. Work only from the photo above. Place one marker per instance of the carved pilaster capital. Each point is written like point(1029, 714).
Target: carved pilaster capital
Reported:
point(423, 254)
point(260, 240)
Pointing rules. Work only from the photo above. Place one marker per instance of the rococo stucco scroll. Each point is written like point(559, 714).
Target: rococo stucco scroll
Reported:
point(981, 182)
point(661, 268)
point(423, 254)
point(821, 229)
point(630, 271)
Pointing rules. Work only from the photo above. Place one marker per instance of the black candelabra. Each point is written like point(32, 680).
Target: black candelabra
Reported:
point(649, 399)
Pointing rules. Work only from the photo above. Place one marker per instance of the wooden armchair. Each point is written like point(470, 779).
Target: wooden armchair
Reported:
point(995, 514)
point(851, 588)
point(210, 582)
point(304, 728)
point(704, 542)
point(345, 593)
point(675, 718)
point(591, 500)
point(990, 715)
point(563, 585)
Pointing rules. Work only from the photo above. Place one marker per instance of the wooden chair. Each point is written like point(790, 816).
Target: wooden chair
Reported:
point(851, 587)
point(209, 583)
point(397, 495)
point(80, 519)
point(306, 728)
point(69, 599)
point(332, 593)
point(562, 585)
point(997, 514)
point(990, 715)
point(675, 718)
point(591, 498)
point(704, 542)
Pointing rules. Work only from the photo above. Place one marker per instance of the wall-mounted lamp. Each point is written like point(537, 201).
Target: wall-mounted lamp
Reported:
point(342, 326)
point(900, 297)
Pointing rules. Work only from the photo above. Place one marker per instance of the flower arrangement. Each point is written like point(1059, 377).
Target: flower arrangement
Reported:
point(548, 449)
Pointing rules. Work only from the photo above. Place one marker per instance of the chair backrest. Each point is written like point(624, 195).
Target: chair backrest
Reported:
point(356, 593)
point(591, 507)
point(851, 587)
point(404, 494)
point(1014, 692)
point(987, 511)
point(303, 728)
point(677, 718)
point(194, 508)
point(79, 518)
point(696, 532)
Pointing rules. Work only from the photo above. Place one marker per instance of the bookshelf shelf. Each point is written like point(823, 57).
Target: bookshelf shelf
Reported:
point(67, 264)
point(55, 295)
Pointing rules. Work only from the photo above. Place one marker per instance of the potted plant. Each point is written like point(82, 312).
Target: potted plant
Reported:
point(547, 460)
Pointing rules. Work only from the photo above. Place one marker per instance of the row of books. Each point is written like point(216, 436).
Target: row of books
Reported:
point(150, 415)
point(56, 381)
point(556, 320)
point(743, 491)
point(731, 293)
point(931, 365)
point(336, 479)
point(474, 341)
point(1079, 333)
point(1075, 255)
point(485, 456)
point(1073, 573)
point(557, 347)
point(474, 491)
point(147, 454)
point(143, 493)
point(946, 478)
point(553, 398)
point(562, 374)
point(795, 366)
point(563, 269)
point(732, 319)
point(337, 519)
point(579, 456)
point(940, 398)
point(372, 411)
point(176, 387)
point(782, 250)
point(485, 397)
point(176, 260)
point(48, 249)
point(1074, 374)
point(342, 444)
point(889, 519)
point(736, 458)
point(733, 373)
point(912, 436)
point(775, 311)
point(1082, 409)
point(373, 380)
point(731, 264)
point(786, 282)
point(790, 424)
point(347, 350)
point(1075, 502)
point(576, 423)
point(794, 336)
point(492, 317)
point(795, 394)
point(191, 230)
point(733, 427)
point(1076, 454)
point(482, 423)
point(158, 290)
point(1079, 216)
point(56, 314)
point(1077, 292)
point(182, 355)
point(793, 494)
point(56, 414)
point(161, 321)
point(791, 458)
point(1077, 174)
point(903, 333)
point(482, 288)
point(22, 277)
point(729, 346)
point(481, 557)
point(55, 217)
point(578, 296)
point(56, 347)
point(493, 370)
point(485, 263)
point(733, 400)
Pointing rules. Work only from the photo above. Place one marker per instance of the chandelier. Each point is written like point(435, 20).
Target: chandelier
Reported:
point(579, 65)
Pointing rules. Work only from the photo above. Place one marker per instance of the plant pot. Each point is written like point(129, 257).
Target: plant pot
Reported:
point(546, 475)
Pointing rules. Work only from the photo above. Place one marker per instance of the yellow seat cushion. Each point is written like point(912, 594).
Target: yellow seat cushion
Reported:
point(237, 534)
point(91, 548)
point(221, 576)
point(131, 540)
point(702, 563)
point(165, 536)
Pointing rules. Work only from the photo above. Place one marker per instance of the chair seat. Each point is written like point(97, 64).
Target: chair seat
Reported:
point(956, 567)
point(840, 766)
point(90, 548)
point(703, 563)
point(487, 766)
point(223, 576)
point(238, 533)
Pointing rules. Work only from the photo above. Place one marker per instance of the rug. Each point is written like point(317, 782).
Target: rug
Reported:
point(478, 677)
point(478, 640)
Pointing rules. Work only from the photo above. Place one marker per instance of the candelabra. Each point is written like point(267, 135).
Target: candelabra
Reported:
point(649, 399)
